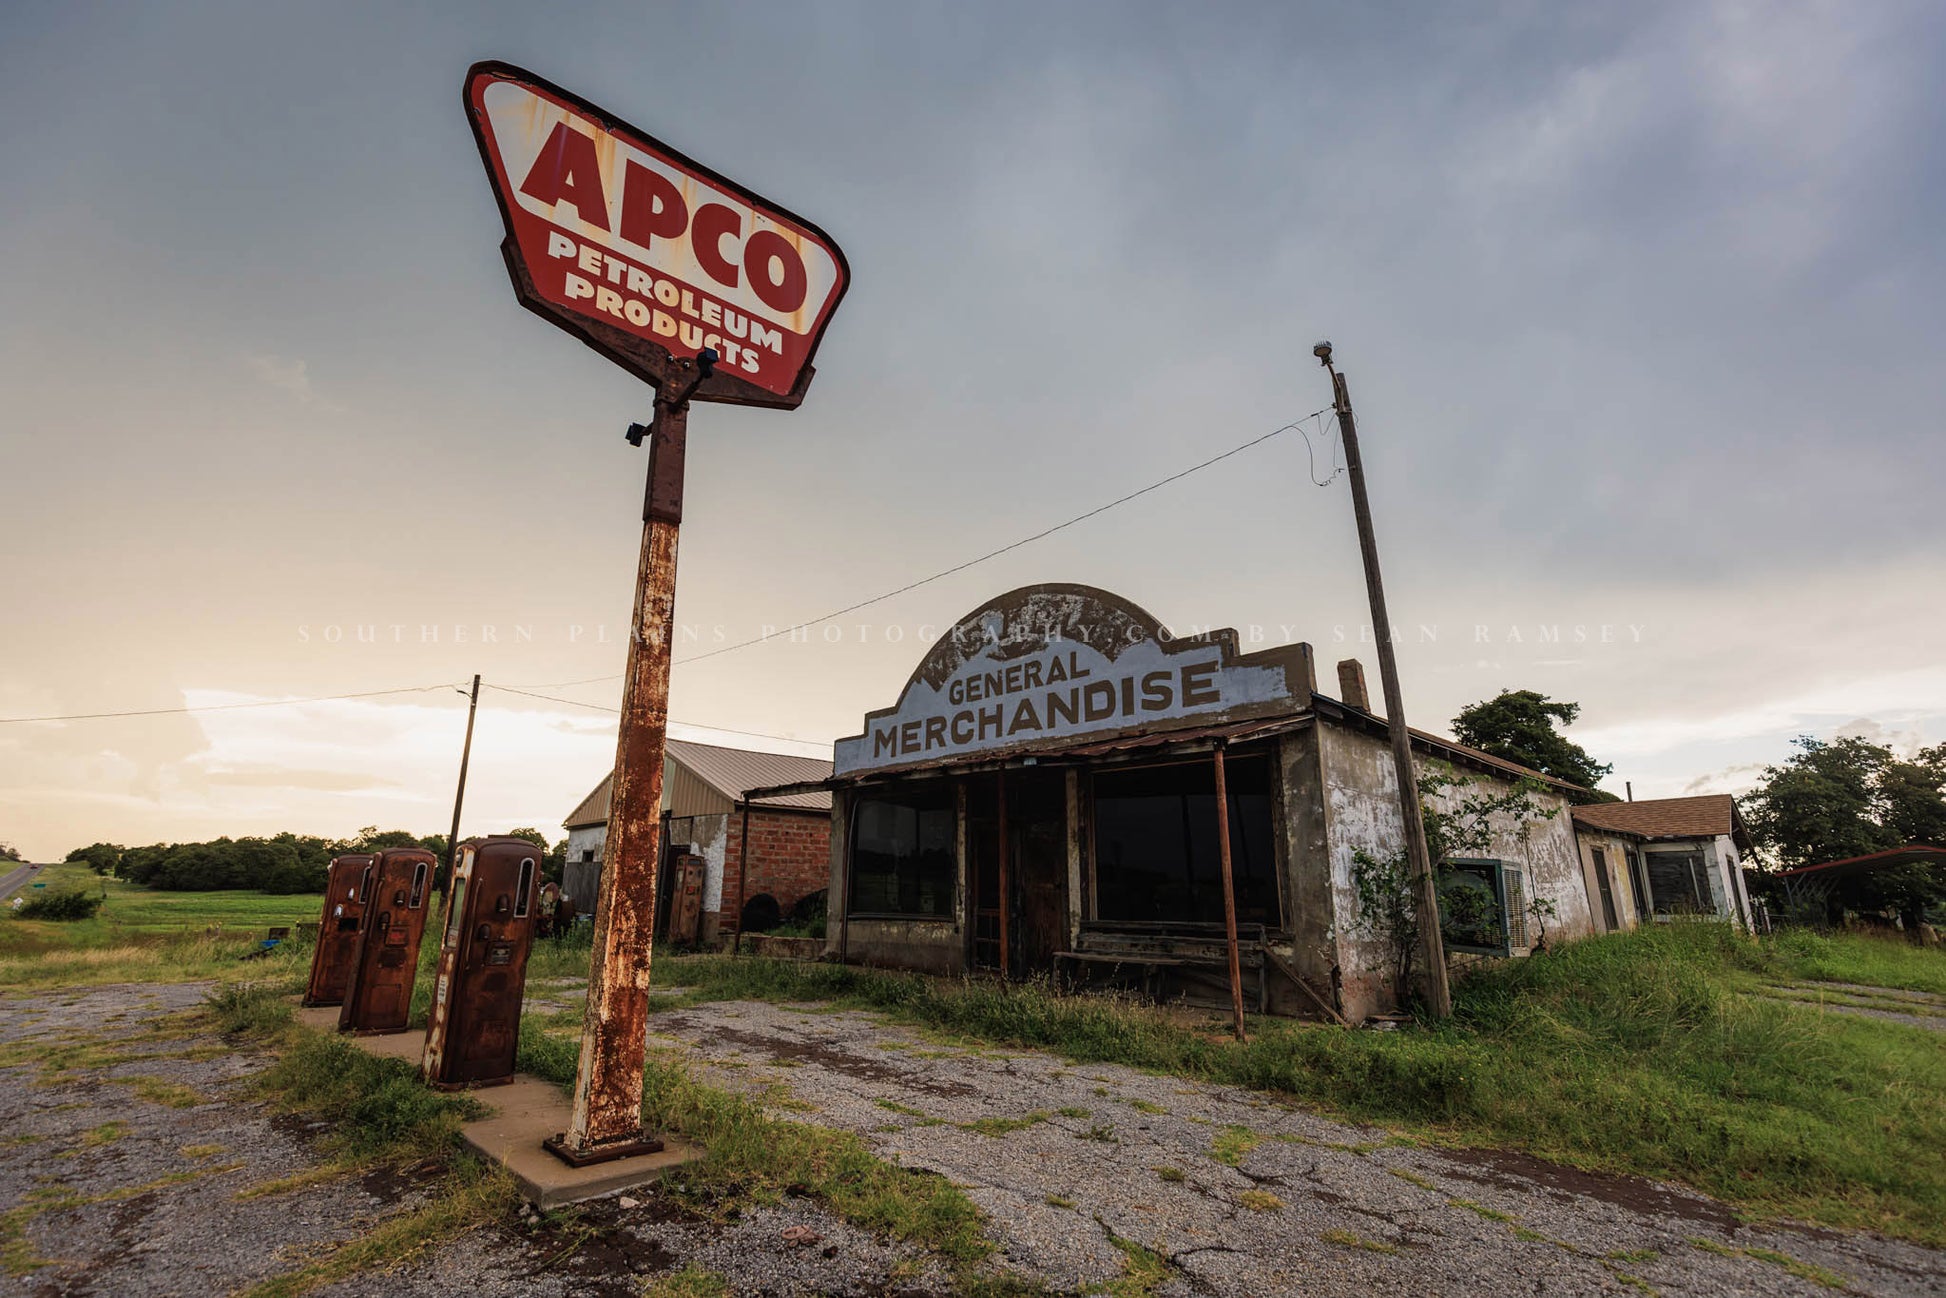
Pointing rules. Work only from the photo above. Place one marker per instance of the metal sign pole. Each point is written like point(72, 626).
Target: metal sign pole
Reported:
point(1433, 988)
point(607, 1119)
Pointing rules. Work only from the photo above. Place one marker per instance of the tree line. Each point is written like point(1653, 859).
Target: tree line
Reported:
point(282, 864)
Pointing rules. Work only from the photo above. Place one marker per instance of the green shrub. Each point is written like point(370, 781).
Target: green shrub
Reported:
point(64, 906)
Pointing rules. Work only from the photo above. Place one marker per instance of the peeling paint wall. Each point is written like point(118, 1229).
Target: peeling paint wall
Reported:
point(707, 837)
point(1361, 811)
point(581, 875)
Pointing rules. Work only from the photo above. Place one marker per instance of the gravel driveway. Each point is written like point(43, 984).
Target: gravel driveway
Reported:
point(130, 1174)
point(1243, 1195)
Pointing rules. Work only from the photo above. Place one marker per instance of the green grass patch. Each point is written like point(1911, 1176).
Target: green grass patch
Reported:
point(1005, 1126)
point(1144, 1270)
point(1260, 1201)
point(751, 1157)
point(1858, 958)
point(1491, 1214)
point(1075, 1111)
point(895, 1107)
point(1346, 1239)
point(1172, 1175)
point(691, 1282)
point(1636, 1052)
point(1233, 1144)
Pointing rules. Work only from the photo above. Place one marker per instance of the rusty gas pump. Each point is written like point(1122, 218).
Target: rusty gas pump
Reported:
point(378, 997)
point(347, 883)
point(686, 905)
point(474, 1031)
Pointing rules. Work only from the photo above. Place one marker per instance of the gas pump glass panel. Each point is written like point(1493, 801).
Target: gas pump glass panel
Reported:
point(475, 1027)
point(378, 997)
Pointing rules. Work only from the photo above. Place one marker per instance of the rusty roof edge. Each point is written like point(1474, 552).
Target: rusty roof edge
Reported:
point(789, 791)
point(1079, 746)
point(1911, 851)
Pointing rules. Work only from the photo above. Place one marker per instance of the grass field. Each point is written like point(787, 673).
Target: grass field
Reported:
point(140, 934)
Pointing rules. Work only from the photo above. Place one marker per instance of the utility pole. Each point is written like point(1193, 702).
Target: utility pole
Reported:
point(1433, 989)
point(459, 796)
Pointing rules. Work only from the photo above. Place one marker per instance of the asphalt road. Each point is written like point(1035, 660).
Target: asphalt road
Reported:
point(16, 880)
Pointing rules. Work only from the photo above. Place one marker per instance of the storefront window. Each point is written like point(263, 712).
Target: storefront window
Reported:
point(1156, 846)
point(902, 858)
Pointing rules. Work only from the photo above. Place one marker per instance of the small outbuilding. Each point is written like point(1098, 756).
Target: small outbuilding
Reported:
point(708, 811)
point(1041, 798)
point(1662, 857)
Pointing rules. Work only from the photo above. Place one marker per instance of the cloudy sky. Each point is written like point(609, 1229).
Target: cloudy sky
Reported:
point(1640, 306)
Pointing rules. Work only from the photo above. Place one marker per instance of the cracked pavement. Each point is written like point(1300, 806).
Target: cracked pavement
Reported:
point(1243, 1194)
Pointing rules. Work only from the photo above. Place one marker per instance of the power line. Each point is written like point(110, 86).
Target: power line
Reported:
point(226, 707)
point(1041, 535)
point(601, 707)
point(991, 554)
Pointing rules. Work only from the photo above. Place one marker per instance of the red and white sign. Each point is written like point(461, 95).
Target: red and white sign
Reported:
point(642, 252)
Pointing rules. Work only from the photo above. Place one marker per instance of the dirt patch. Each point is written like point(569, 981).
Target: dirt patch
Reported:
point(1508, 1169)
point(864, 1068)
point(394, 1185)
point(597, 1250)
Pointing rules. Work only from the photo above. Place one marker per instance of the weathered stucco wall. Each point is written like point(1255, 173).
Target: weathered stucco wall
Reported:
point(1309, 908)
point(1361, 811)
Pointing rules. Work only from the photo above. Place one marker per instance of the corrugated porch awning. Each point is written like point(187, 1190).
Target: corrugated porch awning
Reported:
point(1186, 739)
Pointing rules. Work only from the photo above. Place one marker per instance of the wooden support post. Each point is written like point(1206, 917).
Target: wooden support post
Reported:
point(1229, 892)
point(743, 875)
point(1000, 790)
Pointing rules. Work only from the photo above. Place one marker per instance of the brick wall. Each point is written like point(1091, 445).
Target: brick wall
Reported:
point(790, 857)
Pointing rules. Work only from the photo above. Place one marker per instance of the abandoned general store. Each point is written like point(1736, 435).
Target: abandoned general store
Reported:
point(1041, 798)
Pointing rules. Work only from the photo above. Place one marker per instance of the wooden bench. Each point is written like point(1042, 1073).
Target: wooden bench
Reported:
point(1152, 949)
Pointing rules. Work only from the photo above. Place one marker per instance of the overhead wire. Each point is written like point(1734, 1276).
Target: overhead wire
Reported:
point(805, 625)
point(226, 707)
point(1043, 534)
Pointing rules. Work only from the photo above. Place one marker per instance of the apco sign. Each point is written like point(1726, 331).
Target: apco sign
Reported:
point(647, 256)
point(1051, 663)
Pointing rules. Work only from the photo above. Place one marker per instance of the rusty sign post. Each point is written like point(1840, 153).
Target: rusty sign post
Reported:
point(1433, 987)
point(709, 293)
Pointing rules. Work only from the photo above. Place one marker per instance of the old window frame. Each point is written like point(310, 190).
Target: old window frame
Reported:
point(1508, 884)
point(1098, 875)
point(1697, 868)
point(946, 887)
